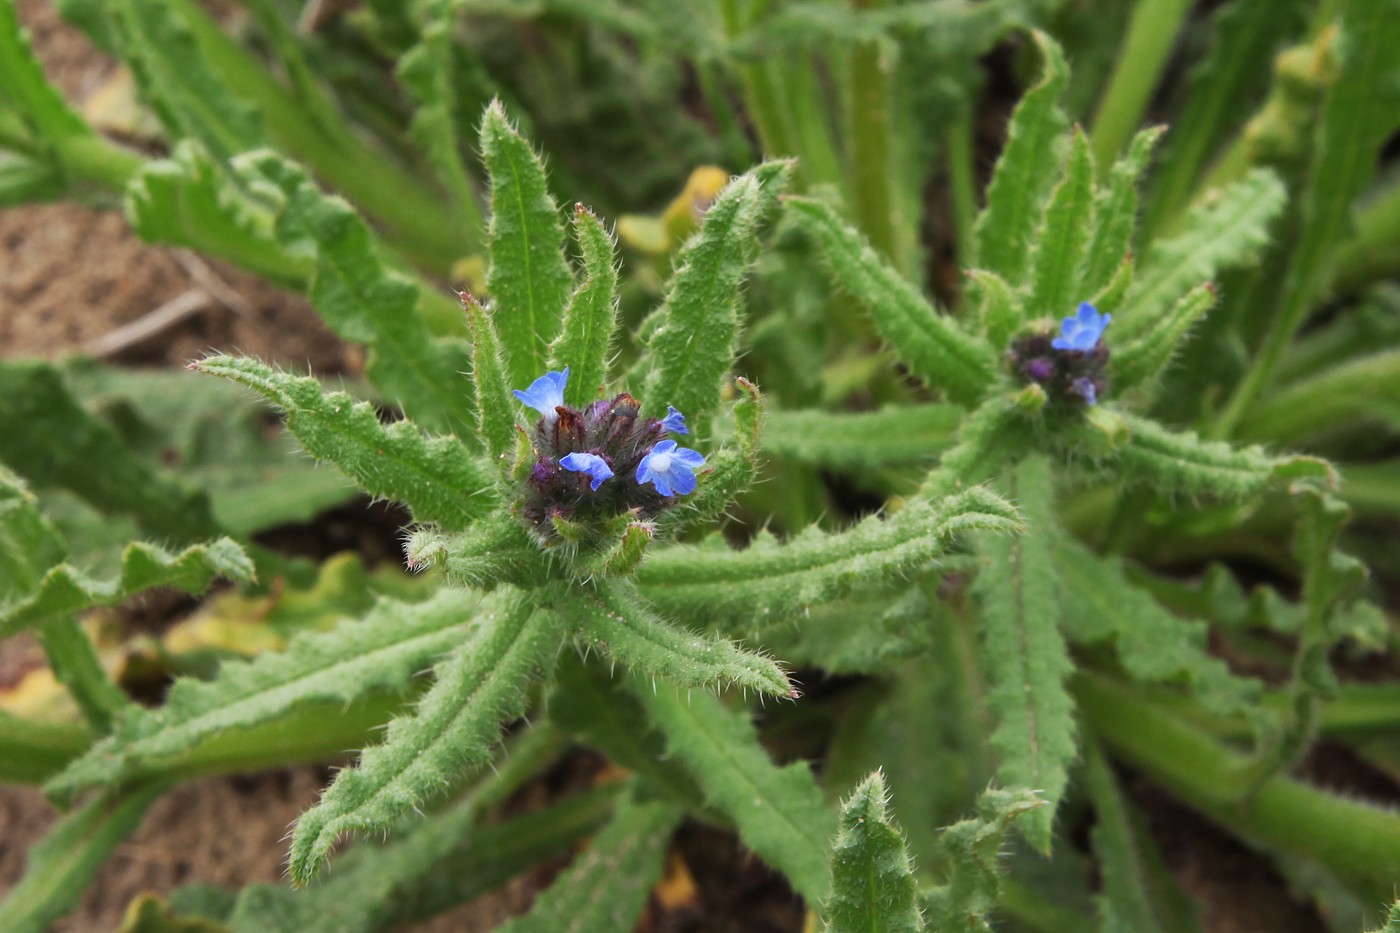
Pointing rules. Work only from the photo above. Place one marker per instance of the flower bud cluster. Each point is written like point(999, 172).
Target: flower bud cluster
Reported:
point(1071, 366)
point(601, 461)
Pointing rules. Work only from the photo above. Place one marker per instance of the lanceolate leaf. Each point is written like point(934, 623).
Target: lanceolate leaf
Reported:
point(933, 345)
point(606, 887)
point(383, 652)
point(614, 619)
point(1025, 656)
point(1360, 389)
point(893, 436)
point(49, 439)
point(1025, 172)
point(872, 878)
point(697, 329)
point(362, 299)
point(496, 407)
point(1223, 232)
point(29, 545)
point(447, 738)
point(1062, 241)
point(60, 868)
point(530, 279)
point(1143, 361)
point(65, 590)
point(1115, 216)
point(436, 477)
point(779, 811)
point(767, 582)
point(585, 342)
point(25, 91)
point(75, 664)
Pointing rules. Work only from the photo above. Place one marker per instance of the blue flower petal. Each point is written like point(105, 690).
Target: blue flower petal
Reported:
point(674, 421)
point(670, 470)
point(592, 464)
point(545, 393)
point(1082, 330)
point(1084, 386)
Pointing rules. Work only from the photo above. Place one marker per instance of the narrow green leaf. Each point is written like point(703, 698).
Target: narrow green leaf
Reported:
point(496, 407)
point(1359, 390)
point(1144, 360)
point(496, 550)
point(1392, 920)
point(1025, 656)
point(932, 344)
point(1062, 240)
point(25, 91)
point(696, 333)
point(447, 738)
point(972, 849)
point(613, 619)
point(190, 200)
point(768, 582)
point(585, 342)
point(1182, 463)
point(999, 308)
point(175, 78)
point(1025, 171)
point(32, 751)
point(607, 886)
point(48, 438)
point(1138, 895)
point(61, 867)
point(362, 298)
point(892, 436)
point(1224, 231)
point(436, 477)
point(65, 590)
point(1115, 215)
point(1100, 604)
point(872, 878)
point(73, 659)
point(529, 281)
point(29, 545)
point(779, 812)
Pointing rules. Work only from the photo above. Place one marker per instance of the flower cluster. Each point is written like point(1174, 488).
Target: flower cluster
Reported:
point(1070, 366)
point(602, 460)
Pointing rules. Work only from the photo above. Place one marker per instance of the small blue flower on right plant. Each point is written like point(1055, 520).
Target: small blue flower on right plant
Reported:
point(1082, 330)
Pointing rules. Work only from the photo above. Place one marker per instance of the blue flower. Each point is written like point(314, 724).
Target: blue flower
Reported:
point(592, 464)
point(1083, 330)
point(671, 471)
point(1084, 387)
point(545, 393)
point(674, 421)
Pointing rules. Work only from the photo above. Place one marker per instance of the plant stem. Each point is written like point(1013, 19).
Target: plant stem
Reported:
point(870, 144)
point(1151, 34)
point(32, 752)
point(1358, 842)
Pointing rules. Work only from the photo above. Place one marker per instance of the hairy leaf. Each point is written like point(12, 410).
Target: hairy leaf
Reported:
point(1116, 213)
point(892, 436)
point(383, 652)
point(361, 297)
point(1143, 361)
point(448, 737)
point(436, 477)
point(29, 545)
point(934, 346)
point(1024, 654)
point(607, 886)
point(1062, 241)
point(75, 664)
point(872, 878)
point(1025, 172)
point(585, 341)
point(530, 279)
point(779, 811)
point(999, 308)
point(613, 619)
point(496, 407)
point(26, 93)
point(1365, 388)
point(731, 470)
point(767, 582)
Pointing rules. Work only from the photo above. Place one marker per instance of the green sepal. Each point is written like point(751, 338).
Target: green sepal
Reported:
point(767, 582)
point(1025, 171)
point(385, 652)
point(437, 478)
point(62, 866)
point(1115, 215)
point(496, 550)
point(361, 297)
point(606, 887)
point(586, 338)
point(496, 407)
point(448, 737)
point(779, 811)
point(935, 347)
point(694, 335)
point(1142, 362)
point(613, 619)
point(1062, 240)
point(872, 877)
point(529, 280)
point(626, 554)
point(1024, 655)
